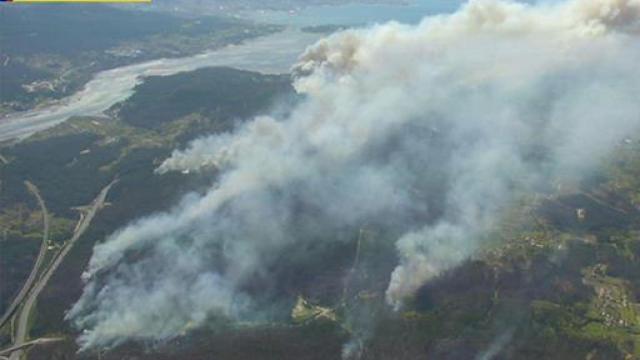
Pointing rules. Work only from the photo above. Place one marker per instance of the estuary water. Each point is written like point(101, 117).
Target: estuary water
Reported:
point(274, 53)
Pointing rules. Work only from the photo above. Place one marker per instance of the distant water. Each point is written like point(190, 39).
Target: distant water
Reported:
point(273, 54)
point(358, 13)
point(269, 54)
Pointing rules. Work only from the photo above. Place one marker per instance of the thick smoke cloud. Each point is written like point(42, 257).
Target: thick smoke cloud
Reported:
point(428, 130)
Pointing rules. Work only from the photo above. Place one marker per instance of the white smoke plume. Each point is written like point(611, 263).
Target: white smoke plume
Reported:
point(426, 129)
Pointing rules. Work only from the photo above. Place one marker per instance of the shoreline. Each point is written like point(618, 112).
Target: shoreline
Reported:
point(272, 53)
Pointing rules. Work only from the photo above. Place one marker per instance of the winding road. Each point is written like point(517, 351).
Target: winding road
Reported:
point(22, 327)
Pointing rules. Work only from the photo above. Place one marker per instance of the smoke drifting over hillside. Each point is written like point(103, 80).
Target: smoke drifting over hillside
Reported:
point(427, 129)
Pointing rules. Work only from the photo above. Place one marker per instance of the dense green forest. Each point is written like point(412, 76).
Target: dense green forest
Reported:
point(160, 99)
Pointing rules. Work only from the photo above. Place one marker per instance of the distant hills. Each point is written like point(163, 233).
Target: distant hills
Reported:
point(49, 52)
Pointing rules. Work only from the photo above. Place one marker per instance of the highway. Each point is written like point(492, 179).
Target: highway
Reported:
point(22, 327)
point(41, 341)
point(41, 255)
